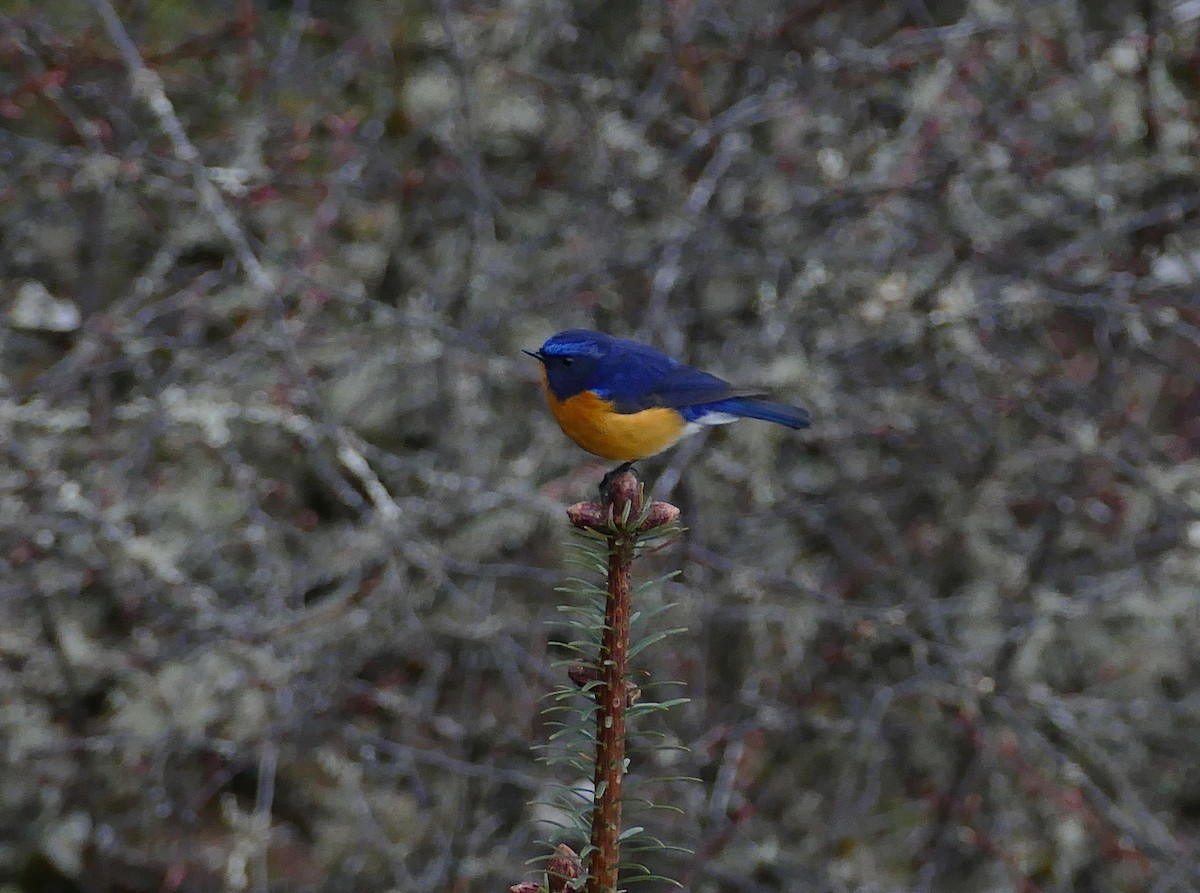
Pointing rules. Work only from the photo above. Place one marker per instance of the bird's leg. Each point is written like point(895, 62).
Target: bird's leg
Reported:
point(606, 481)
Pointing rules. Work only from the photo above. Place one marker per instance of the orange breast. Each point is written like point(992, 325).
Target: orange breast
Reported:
point(625, 437)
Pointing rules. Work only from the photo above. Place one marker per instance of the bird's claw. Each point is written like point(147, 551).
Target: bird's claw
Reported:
point(607, 481)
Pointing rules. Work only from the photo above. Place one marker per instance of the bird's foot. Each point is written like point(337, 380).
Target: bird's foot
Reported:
point(607, 481)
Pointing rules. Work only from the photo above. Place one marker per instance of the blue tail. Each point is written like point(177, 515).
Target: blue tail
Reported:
point(753, 408)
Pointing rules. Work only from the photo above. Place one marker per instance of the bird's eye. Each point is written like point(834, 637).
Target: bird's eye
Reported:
point(567, 361)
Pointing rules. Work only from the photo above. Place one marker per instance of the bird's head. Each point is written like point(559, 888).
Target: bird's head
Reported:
point(572, 360)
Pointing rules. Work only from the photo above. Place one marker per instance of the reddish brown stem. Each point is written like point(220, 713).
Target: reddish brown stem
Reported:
point(610, 721)
point(612, 668)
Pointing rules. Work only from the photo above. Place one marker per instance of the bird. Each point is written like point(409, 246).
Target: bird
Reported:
point(626, 401)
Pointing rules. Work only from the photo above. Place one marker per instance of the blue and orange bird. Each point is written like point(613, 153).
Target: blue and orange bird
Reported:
point(626, 401)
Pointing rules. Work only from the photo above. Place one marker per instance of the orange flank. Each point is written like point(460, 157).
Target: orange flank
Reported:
point(592, 423)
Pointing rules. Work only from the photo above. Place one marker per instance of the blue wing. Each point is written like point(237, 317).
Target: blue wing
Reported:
point(755, 408)
point(640, 377)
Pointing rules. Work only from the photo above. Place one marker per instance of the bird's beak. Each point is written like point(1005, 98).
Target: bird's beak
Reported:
point(536, 354)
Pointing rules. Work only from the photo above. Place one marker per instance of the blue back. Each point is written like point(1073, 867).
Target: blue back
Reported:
point(635, 376)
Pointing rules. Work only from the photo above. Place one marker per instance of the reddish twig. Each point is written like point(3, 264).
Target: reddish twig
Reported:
point(620, 518)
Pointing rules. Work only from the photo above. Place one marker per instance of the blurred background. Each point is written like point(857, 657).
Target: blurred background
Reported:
point(281, 506)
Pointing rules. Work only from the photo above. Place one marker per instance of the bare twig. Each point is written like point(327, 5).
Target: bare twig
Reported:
point(148, 87)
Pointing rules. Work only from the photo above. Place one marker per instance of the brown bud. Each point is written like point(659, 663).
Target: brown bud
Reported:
point(625, 489)
point(582, 674)
point(588, 514)
point(660, 513)
point(601, 517)
point(563, 868)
